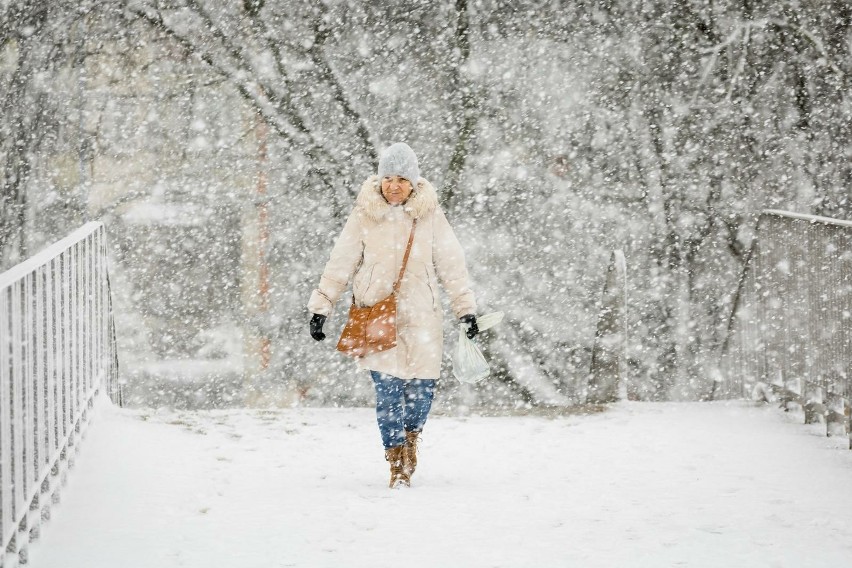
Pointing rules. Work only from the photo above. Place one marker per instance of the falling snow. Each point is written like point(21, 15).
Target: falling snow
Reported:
point(223, 144)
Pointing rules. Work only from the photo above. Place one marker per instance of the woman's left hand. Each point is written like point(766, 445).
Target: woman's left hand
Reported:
point(472, 329)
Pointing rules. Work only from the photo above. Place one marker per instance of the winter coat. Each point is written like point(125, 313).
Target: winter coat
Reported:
point(369, 251)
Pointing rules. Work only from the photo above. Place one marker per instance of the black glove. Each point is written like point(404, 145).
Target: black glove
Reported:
point(316, 327)
point(472, 329)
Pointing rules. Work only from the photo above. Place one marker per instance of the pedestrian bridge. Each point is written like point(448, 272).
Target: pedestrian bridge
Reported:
point(728, 482)
point(724, 483)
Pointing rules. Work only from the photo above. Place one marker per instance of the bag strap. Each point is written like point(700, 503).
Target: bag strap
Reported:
point(405, 258)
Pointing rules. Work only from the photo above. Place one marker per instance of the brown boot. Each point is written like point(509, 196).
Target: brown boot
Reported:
point(409, 453)
point(397, 475)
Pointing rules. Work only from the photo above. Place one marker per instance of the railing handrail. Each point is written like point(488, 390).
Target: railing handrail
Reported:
point(47, 254)
point(804, 217)
point(57, 352)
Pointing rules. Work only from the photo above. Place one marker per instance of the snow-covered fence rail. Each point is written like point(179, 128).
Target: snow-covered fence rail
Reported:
point(790, 330)
point(57, 352)
point(608, 358)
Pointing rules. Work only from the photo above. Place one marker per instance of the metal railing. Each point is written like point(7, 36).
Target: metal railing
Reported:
point(790, 330)
point(57, 352)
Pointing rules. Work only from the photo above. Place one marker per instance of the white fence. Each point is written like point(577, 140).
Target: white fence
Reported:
point(790, 331)
point(57, 352)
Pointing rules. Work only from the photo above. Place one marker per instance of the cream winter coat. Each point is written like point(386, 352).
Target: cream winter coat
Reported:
point(369, 251)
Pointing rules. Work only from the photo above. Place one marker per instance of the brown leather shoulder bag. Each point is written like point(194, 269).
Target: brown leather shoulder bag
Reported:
point(373, 329)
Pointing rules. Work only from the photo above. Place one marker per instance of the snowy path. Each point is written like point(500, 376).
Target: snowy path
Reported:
point(644, 484)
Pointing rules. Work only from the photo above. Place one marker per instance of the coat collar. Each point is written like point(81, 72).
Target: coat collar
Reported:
point(422, 201)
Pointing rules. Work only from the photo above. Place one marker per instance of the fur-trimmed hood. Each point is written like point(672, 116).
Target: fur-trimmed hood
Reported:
point(422, 201)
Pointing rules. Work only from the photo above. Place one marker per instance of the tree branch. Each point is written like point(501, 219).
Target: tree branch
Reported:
point(254, 92)
point(317, 55)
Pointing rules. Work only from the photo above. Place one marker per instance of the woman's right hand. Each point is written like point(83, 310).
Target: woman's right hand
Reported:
point(316, 327)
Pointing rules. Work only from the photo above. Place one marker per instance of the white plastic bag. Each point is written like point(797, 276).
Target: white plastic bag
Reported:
point(469, 365)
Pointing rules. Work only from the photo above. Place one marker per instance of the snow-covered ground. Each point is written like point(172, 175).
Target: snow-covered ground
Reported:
point(657, 485)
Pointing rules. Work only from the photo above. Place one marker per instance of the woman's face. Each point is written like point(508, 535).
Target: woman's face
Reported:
point(396, 189)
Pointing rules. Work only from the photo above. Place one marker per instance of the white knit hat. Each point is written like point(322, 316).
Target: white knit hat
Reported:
point(399, 160)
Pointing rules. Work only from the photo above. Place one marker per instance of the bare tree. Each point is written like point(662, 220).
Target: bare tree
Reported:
point(265, 66)
point(38, 39)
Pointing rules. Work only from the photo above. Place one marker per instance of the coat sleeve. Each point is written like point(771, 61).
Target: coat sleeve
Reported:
point(345, 258)
point(452, 270)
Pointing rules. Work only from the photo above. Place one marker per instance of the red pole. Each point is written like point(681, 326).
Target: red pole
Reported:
point(261, 131)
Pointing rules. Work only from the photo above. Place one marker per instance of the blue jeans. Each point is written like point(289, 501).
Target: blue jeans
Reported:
point(396, 418)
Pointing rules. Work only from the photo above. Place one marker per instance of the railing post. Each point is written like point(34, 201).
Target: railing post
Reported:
point(6, 482)
point(18, 423)
point(608, 356)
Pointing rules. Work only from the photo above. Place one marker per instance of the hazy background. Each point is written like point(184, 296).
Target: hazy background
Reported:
point(223, 142)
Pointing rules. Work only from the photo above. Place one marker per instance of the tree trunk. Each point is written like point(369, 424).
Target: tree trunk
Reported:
point(467, 114)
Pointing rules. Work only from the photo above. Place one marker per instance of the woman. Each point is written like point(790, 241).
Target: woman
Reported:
point(370, 252)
